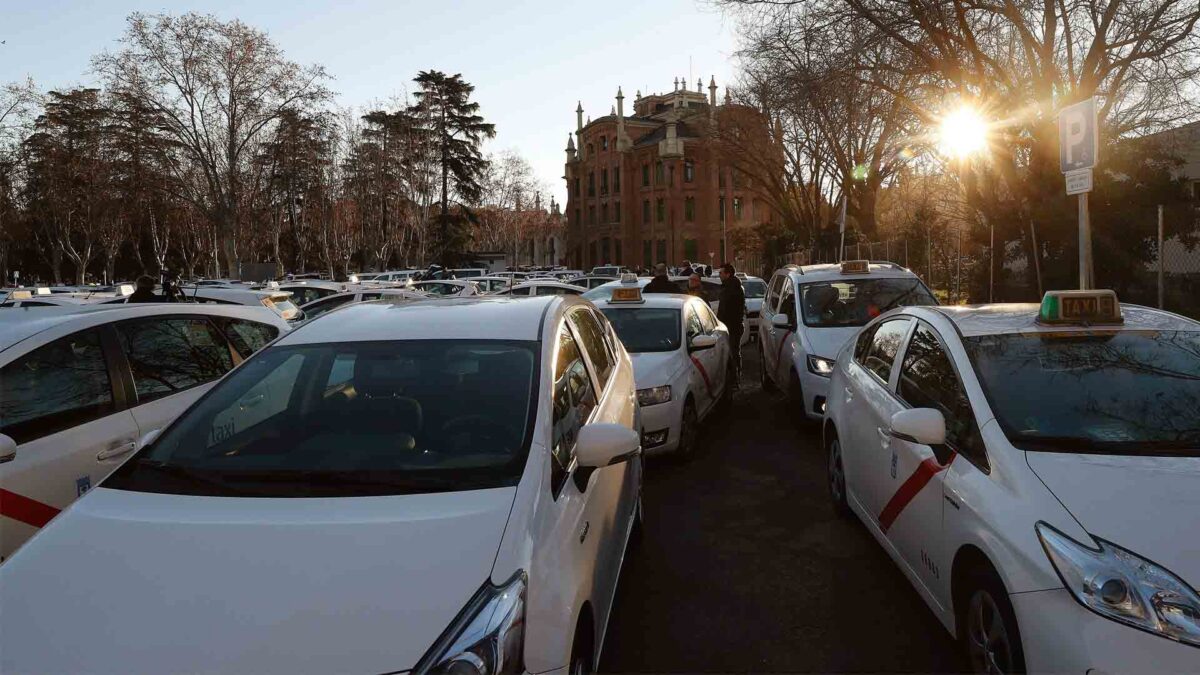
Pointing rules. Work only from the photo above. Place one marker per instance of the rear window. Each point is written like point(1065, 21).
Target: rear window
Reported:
point(352, 419)
point(854, 302)
point(1118, 392)
point(754, 289)
point(645, 329)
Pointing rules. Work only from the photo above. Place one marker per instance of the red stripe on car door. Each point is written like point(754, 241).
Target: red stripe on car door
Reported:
point(28, 511)
point(925, 472)
point(704, 374)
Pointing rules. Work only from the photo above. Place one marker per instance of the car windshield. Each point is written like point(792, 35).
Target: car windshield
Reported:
point(754, 288)
point(355, 418)
point(854, 302)
point(1119, 392)
point(646, 329)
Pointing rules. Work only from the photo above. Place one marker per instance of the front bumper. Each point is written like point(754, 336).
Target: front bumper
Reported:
point(664, 416)
point(1059, 635)
point(816, 391)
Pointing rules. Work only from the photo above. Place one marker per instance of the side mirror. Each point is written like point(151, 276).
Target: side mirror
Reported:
point(149, 438)
point(699, 342)
point(603, 444)
point(781, 321)
point(8, 449)
point(919, 425)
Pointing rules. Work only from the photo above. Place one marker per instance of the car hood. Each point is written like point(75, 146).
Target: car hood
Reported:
point(654, 369)
point(1147, 505)
point(137, 582)
point(827, 342)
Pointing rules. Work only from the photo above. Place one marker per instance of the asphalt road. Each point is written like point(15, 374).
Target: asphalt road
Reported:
point(745, 567)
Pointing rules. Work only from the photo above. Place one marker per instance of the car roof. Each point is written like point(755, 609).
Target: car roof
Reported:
point(312, 283)
point(484, 316)
point(833, 271)
point(18, 324)
point(650, 300)
point(1003, 318)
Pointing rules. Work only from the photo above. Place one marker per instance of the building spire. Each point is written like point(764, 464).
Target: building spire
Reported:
point(579, 116)
point(675, 86)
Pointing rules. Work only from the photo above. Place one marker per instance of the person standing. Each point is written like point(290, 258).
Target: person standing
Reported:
point(144, 291)
point(732, 312)
point(694, 286)
point(661, 283)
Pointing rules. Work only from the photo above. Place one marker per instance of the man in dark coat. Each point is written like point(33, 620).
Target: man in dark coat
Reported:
point(660, 283)
point(732, 312)
point(144, 291)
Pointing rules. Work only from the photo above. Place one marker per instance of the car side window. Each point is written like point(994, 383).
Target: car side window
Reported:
point(862, 342)
point(591, 336)
point(787, 301)
point(928, 380)
point(707, 319)
point(574, 399)
point(520, 291)
point(248, 336)
point(168, 356)
point(774, 290)
point(320, 307)
point(55, 387)
point(885, 344)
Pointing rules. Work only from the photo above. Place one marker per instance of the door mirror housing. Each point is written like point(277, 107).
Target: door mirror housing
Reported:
point(925, 426)
point(782, 321)
point(699, 342)
point(603, 444)
point(8, 449)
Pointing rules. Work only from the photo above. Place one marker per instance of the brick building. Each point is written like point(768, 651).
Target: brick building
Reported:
point(651, 187)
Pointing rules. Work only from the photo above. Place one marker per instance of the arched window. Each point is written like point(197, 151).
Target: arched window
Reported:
point(604, 142)
point(590, 150)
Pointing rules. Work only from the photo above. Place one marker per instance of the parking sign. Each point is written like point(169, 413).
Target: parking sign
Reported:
point(1078, 141)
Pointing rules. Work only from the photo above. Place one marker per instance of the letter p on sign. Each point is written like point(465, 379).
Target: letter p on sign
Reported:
point(1078, 143)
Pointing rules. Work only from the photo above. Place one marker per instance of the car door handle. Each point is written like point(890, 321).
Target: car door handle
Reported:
point(885, 436)
point(849, 394)
point(117, 450)
point(251, 401)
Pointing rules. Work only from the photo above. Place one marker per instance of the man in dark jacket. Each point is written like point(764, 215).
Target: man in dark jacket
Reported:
point(144, 291)
point(660, 283)
point(732, 312)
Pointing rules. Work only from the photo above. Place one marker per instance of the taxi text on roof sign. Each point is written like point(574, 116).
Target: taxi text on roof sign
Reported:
point(627, 294)
point(1080, 307)
point(856, 267)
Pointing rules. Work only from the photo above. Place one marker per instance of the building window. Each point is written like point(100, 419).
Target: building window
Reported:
point(604, 181)
point(736, 176)
point(646, 212)
point(576, 187)
point(617, 212)
point(689, 250)
point(604, 213)
point(659, 177)
point(646, 253)
point(604, 246)
point(737, 208)
point(577, 218)
point(660, 209)
point(671, 175)
point(591, 183)
point(689, 210)
point(604, 142)
point(618, 260)
point(662, 250)
point(645, 175)
point(689, 171)
point(591, 215)
point(616, 179)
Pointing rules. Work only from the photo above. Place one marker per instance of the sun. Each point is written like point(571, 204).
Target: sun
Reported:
point(963, 133)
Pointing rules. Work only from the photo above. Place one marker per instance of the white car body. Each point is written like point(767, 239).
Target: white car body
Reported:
point(590, 281)
point(540, 287)
point(63, 452)
point(366, 584)
point(753, 305)
point(361, 294)
point(447, 288)
point(696, 376)
point(307, 290)
point(942, 515)
point(710, 285)
point(785, 344)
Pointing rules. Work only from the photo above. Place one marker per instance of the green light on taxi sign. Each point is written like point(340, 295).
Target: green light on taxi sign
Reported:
point(1080, 307)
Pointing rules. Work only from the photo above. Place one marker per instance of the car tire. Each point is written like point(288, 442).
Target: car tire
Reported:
point(764, 381)
point(689, 430)
point(988, 631)
point(581, 653)
point(837, 476)
point(795, 400)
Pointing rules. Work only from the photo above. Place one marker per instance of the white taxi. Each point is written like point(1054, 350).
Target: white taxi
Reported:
point(438, 487)
point(681, 360)
point(811, 311)
point(79, 387)
point(1035, 473)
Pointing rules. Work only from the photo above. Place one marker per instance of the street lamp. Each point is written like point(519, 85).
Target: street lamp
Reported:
point(962, 134)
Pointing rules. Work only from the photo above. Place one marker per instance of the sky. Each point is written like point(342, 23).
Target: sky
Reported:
point(531, 61)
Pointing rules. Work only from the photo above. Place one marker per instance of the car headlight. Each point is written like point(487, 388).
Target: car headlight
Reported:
point(820, 366)
point(487, 636)
point(1124, 587)
point(654, 395)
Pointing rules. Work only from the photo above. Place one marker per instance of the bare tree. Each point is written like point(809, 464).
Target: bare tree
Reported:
point(219, 86)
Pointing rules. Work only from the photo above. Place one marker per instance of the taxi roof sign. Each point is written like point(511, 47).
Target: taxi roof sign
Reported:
point(1080, 307)
point(627, 294)
point(629, 278)
point(20, 295)
point(856, 266)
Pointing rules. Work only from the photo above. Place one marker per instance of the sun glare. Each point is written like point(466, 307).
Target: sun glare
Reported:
point(963, 133)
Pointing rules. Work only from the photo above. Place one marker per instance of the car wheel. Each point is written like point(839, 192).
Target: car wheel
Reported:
point(837, 477)
point(764, 381)
point(689, 428)
point(581, 654)
point(990, 635)
point(795, 400)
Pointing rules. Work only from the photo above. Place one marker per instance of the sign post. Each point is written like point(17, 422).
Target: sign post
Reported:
point(1078, 147)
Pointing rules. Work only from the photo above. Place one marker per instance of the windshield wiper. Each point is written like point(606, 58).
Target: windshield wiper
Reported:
point(185, 473)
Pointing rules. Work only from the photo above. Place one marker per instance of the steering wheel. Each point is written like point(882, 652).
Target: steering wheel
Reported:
point(482, 428)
